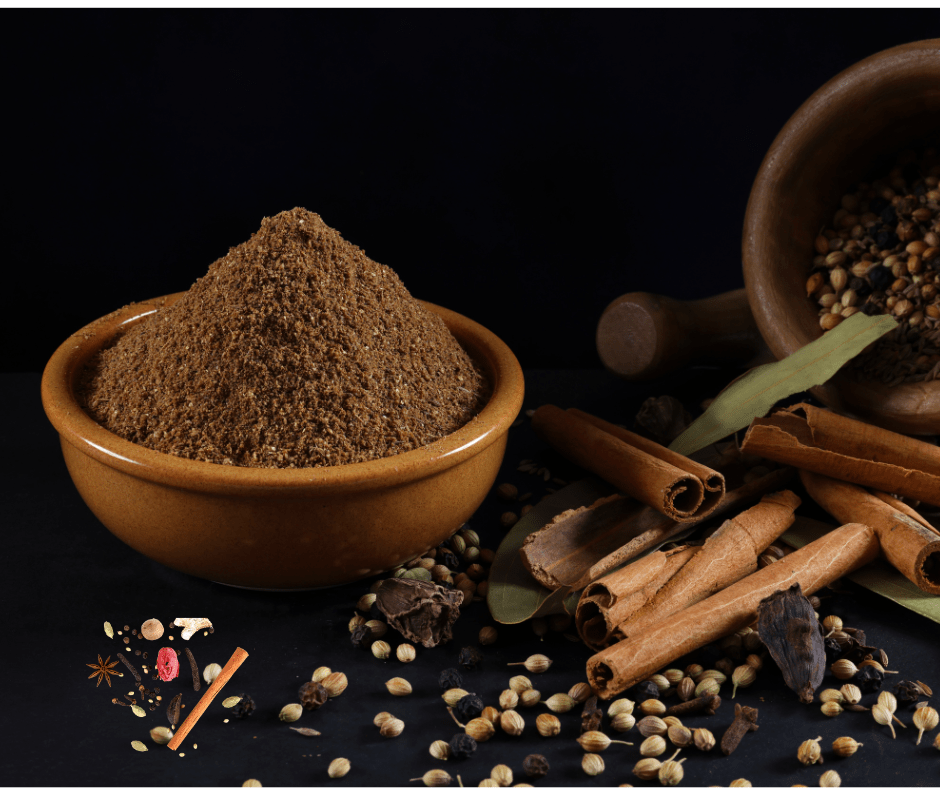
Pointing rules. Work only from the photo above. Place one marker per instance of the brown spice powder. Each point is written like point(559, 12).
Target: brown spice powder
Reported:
point(295, 350)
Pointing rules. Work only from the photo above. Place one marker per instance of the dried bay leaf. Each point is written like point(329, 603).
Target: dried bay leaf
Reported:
point(753, 394)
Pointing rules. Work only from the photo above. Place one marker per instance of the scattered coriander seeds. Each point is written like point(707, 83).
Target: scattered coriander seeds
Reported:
point(511, 722)
point(406, 652)
point(831, 708)
point(291, 712)
point(654, 707)
point(480, 729)
point(845, 746)
point(851, 693)
point(592, 764)
point(925, 719)
point(508, 699)
point(381, 649)
point(434, 777)
point(530, 697)
point(335, 684)
point(580, 692)
point(653, 746)
point(703, 739)
point(560, 703)
point(502, 775)
point(537, 663)
point(596, 741)
point(398, 687)
point(392, 728)
point(883, 717)
point(810, 752)
point(671, 772)
point(621, 706)
point(440, 749)
point(623, 722)
point(647, 768)
point(548, 725)
point(830, 779)
point(339, 767)
point(139, 746)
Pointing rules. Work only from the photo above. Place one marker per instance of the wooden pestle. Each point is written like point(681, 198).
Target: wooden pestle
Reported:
point(641, 336)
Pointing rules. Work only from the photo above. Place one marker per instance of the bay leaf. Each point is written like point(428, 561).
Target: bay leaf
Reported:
point(753, 394)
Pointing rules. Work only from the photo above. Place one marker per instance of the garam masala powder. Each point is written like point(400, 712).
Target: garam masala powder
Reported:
point(295, 350)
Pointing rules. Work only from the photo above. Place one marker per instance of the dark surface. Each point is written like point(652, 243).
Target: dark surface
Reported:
point(65, 575)
point(523, 168)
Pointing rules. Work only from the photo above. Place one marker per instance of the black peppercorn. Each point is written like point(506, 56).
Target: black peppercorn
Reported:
point(450, 559)
point(908, 691)
point(886, 239)
point(469, 658)
point(313, 695)
point(888, 215)
point(645, 690)
point(877, 205)
point(361, 636)
point(869, 679)
point(833, 649)
point(880, 277)
point(244, 708)
point(450, 679)
point(462, 746)
point(860, 286)
point(535, 766)
point(469, 706)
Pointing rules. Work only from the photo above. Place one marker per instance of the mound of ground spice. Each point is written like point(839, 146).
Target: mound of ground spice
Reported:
point(295, 350)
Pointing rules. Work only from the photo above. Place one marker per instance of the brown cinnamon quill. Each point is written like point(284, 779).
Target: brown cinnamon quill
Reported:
point(671, 483)
point(727, 556)
point(908, 541)
point(824, 442)
point(819, 563)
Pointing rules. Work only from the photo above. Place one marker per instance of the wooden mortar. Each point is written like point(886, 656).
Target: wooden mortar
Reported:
point(848, 131)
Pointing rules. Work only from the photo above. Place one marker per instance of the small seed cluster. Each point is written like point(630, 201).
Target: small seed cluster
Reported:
point(881, 255)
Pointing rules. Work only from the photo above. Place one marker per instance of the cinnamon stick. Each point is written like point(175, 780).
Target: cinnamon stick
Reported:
point(908, 541)
point(675, 485)
point(819, 563)
point(852, 451)
point(606, 603)
point(727, 556)
point(233, 664)
point(582, 545)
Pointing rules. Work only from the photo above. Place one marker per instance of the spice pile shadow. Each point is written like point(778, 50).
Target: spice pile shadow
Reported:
point(295, 350)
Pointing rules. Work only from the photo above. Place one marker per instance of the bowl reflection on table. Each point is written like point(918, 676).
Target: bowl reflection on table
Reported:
point(281, 528)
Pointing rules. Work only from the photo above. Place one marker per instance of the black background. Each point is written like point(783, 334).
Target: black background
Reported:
point(521, 167)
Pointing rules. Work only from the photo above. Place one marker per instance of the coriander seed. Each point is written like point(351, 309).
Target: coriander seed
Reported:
point(810, 752)
point(647, 768)
point(595, 741)
point(671, 773)
point(831, 695)
point(392, 728)
point(490, 713)
point(851, 693)
point(685, 689)
point(653, 746)
point(703, 739)
point(560, 703)
point(651, 726)
point(398, 687)
point(211, 672)
point(845, 746)
point(653, 707)
point(925, 719)
point(508, 699)
point(365, 603)
point(883, 717)
point(843, 669)
point(291, 712)
point(707, 685)
point(487, 636)
point(434, 777)
point(592, 764)
point(888, 700)
point(623, 722)
point(405, 652)
point(502, 774)
point(335, 684)
point(537, 663)
point(530, 697)
point(621, 706)
point(439, 749)
point(511, 722)
point(381, 650)
point(382, 717)
point(548, 725)
point(679, 735)
point(740, 783)
point(831, 708)
point(480, 729)
point(830, 779)
point(580, 692)
point(453, 695)
point(743, 676)
point(520, 684)
point(339, 767)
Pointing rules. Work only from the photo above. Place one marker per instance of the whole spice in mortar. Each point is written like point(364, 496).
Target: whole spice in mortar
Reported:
point(295, 350)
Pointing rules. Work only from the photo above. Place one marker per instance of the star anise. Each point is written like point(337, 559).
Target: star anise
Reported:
point(103, 670)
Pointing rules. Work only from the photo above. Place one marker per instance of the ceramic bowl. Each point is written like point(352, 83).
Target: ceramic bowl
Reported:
point(848, 131)
point(281, 528)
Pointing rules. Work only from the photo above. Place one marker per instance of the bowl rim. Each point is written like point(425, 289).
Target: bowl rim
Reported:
point(78, 429)
point(902, 406)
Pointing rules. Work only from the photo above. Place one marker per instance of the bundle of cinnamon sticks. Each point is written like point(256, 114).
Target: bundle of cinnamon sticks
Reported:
point(662, 604)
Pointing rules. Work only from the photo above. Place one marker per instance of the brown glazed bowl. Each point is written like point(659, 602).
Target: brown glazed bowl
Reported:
point(272, 528)
point(848, 131)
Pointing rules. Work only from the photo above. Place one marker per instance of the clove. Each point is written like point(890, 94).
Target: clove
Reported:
point(707, 702)
point(745, 720)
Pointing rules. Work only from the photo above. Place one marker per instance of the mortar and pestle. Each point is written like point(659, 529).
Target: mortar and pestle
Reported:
point(849, 130)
